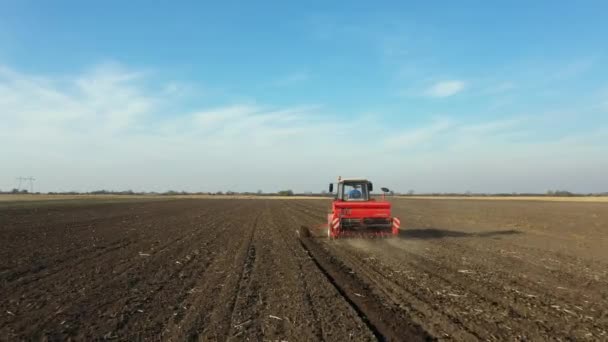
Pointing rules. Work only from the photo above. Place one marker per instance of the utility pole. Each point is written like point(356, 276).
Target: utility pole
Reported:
point(29, 179)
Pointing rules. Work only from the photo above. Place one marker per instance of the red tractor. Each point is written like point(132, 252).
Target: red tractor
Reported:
point(355, 213)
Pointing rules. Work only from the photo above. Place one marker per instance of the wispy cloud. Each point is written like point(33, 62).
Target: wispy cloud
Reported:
point(449, 133)
point(293, 78)
point(418, 136)
point(492, 126)
point(574, 69)
point(445, 88)
point(113, 117)
point(110, 127)
point(499, 88)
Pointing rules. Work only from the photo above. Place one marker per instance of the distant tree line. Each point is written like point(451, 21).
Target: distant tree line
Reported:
point(549, 193)
point(289, 193)
point(169, 193)
point(16, 191)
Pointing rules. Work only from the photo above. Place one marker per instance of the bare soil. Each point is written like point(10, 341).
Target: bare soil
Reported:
point(236, 269)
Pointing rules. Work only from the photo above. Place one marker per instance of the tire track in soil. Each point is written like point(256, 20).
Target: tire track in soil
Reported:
point(483, 307)
point(443, 322)
point(422, 311)
point(215, 304)
point(273, 303)
point(480, 300)
point(190, 271)
point(270, 303)
point(529, 301)
point(385, 323)
point(415, 302)
point(318, 328)
point(323, 313)
point(529, 306)
point(244, 281)
point(436, 311)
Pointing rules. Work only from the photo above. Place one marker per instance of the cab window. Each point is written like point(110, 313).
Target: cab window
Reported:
point(355, 192)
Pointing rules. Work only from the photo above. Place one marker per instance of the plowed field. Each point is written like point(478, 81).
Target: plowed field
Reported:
point(235, 269)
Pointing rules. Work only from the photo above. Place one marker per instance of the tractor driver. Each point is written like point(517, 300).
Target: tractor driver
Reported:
point(354, 193)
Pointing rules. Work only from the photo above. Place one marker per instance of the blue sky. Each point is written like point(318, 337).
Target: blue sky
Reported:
point(271, 95)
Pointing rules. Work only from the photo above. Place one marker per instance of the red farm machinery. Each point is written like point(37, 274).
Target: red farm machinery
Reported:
point(354, 213)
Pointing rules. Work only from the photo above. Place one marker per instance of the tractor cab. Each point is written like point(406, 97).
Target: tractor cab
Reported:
point(356, 190)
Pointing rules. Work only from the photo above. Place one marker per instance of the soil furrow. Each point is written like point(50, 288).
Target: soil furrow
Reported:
point(235, 269)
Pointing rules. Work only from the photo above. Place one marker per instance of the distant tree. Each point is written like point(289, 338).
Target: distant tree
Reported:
point(410, 193)
point(15, 191)
point(563, 193)
point(260, 192)
point(286, 193)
